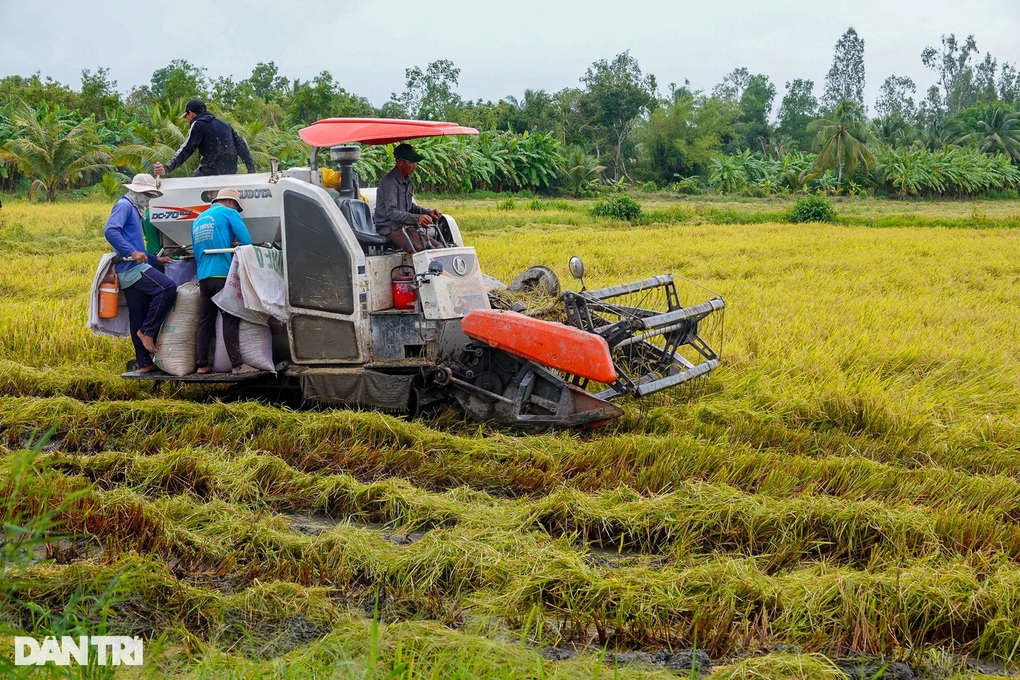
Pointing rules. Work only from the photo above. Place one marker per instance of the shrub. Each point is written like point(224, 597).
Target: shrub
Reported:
point(649, 187)
point(622, 207)
point(813, 208)
point(687, 186)
point(508, 204)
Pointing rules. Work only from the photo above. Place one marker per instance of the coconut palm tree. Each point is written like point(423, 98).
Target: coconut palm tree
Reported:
point(7, 168)
point(267, 142)
point(937, 135)
point(155, 139)
point(580, 171)
point(843, 137)
point(49, 146)
point(997, 131)
point(894, 131)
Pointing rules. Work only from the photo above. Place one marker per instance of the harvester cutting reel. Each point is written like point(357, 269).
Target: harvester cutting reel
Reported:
point(635, 339)
point(646, 345)
point(652, 350)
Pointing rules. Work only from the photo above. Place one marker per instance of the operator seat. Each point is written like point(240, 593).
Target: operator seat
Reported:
point(359, 216)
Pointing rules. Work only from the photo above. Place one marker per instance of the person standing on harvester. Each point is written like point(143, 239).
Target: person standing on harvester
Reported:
point(148, 292)
point(217, 228)
point(217, 143)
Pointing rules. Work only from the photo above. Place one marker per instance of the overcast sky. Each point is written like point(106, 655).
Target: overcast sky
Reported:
point(500, 48)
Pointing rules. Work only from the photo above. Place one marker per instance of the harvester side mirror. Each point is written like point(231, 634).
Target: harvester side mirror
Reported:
point(435, 269)
point(576, 267)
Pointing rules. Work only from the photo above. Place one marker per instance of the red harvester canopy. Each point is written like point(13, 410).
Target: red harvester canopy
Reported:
point(331, 131)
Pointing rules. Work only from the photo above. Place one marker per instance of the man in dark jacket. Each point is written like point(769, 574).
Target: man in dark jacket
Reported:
point(217, 143)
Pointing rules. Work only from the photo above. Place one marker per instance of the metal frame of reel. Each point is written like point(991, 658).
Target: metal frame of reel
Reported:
point(661, 367)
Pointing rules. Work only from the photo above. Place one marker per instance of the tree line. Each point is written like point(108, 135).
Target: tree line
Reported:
point(615, 128)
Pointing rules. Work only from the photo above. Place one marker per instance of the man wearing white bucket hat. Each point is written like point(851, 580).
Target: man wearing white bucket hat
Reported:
point(218, 228)
point(148, 292)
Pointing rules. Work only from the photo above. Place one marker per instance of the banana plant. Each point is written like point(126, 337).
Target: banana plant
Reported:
point(727, 174)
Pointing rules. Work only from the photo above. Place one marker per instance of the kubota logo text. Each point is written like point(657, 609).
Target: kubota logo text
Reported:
point(210, 194)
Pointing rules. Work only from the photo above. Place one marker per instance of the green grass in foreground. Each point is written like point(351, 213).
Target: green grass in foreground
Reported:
point(842, 495)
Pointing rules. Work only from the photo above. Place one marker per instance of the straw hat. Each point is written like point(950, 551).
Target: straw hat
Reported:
point(232, 194)
point(143, 183)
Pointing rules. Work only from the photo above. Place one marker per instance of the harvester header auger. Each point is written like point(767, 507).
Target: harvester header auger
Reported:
point(339, 314)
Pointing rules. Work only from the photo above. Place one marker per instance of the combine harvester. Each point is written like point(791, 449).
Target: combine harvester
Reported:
point(345, 340)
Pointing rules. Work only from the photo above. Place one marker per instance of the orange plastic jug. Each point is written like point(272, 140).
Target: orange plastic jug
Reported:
point(109, 295)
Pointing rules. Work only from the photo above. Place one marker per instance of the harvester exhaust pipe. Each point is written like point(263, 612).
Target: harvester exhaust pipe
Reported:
point(346, 156)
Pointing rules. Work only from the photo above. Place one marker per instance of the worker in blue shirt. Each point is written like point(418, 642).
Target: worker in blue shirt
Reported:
point(218, 227)
point(149, 293)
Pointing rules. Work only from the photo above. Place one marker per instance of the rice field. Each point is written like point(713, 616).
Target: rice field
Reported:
point(840, 499)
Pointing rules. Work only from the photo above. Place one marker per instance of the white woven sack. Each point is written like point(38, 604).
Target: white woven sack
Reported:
point(256, 347)
point(231, 299)
point(175, 346)
point(120, 325)
point(260, 274)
